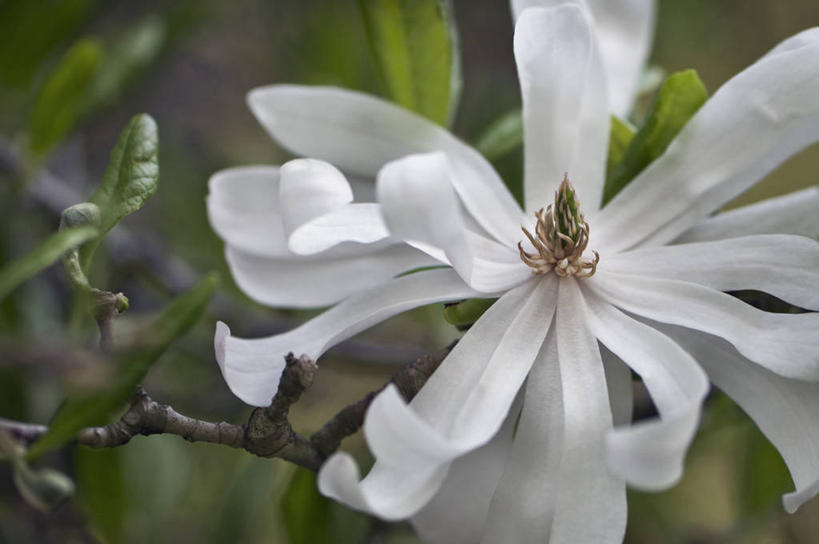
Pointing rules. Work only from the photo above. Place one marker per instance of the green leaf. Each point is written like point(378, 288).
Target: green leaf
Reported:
point(415, 47)
point(679, 98)
point(62, 98)
point(311, 518)
point(101, 490)
point(129, 369)
point(503, 136)
point(463, 314)
point(763, 476)
point(620, 137)
point(130, 55)
point(131, 178)
point(84, 214)
point(43, 255)
point(31, 30)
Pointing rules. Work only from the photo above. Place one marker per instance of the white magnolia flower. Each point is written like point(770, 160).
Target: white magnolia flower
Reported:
point(293, 235)
point(523, 434)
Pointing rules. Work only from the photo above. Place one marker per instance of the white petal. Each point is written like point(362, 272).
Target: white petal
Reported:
point(360, 223)
point(565, 110)
point(360, 134)
point(650, 453)
point(243, 209)
point(752, 124)
point(557, 487)
point(794, 213)
point(783, 343)
point(624, 30)
point(311, 282)
point(783, 265)
point(457, 513)
point(310, 188)
point(419, 205)
point(252, 368)
point(785, 410)
point(460, 408)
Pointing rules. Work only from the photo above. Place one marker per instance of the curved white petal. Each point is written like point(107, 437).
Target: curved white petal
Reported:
point(243, 209)
point(557, 487)
point(457, 513)
point(360, 134)
point(794, 213)
point(565, 110)
point(783, 265)
point(252, 368)
point(785, 410)
point(311, 282)
point(420, 206)
point(783, 343)
point(310, 188)
point(748, 127)
point(460, 408)
point(624, 30)
point(360, 223)
point(650, 453)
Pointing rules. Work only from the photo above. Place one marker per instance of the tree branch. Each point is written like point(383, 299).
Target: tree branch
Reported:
point(268, 432)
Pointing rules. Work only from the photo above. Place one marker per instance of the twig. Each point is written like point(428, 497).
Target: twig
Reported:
point(409, 380)
point(268, 432)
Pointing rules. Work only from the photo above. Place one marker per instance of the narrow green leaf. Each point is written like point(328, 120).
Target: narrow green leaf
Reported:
point(131, 178)
point(679, 98)
point(84, 214)
point(620, 137)
point(415, 47)
point(43, 255)
point(101, 490)
point(129, 369)
point(62, 98)
point(128, 56)
point(503, 136)
point(463, 314)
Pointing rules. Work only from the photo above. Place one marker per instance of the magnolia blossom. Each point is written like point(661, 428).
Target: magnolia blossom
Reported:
point(304, 236)
point(551, 461)
point(523, 434)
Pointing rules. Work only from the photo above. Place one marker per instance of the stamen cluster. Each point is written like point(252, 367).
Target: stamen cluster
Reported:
point(561, 236)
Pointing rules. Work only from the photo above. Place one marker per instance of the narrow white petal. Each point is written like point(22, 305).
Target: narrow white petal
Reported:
point(243, 209)
point(316, 281)
point(785, 410)
point(565, 110)
point(557, 487)
point(252, 368)
point(783, 265)
point(746, 129)
point(360, 223)
point(459, 409)
point(624, 29)
point(310, 188)
point(360, 134)
point(420, 206)
point(783, 343)
point(457, 513)
point(794, 213)
point(650, 454)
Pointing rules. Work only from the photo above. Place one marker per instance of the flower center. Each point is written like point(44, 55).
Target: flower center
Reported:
point(561, 236)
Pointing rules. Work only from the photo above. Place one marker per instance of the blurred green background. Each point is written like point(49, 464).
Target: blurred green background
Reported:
point(189, 64)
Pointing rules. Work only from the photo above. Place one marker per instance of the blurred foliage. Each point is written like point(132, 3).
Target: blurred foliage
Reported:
point(415, 47)
point(189, 64)
point(677, 100)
